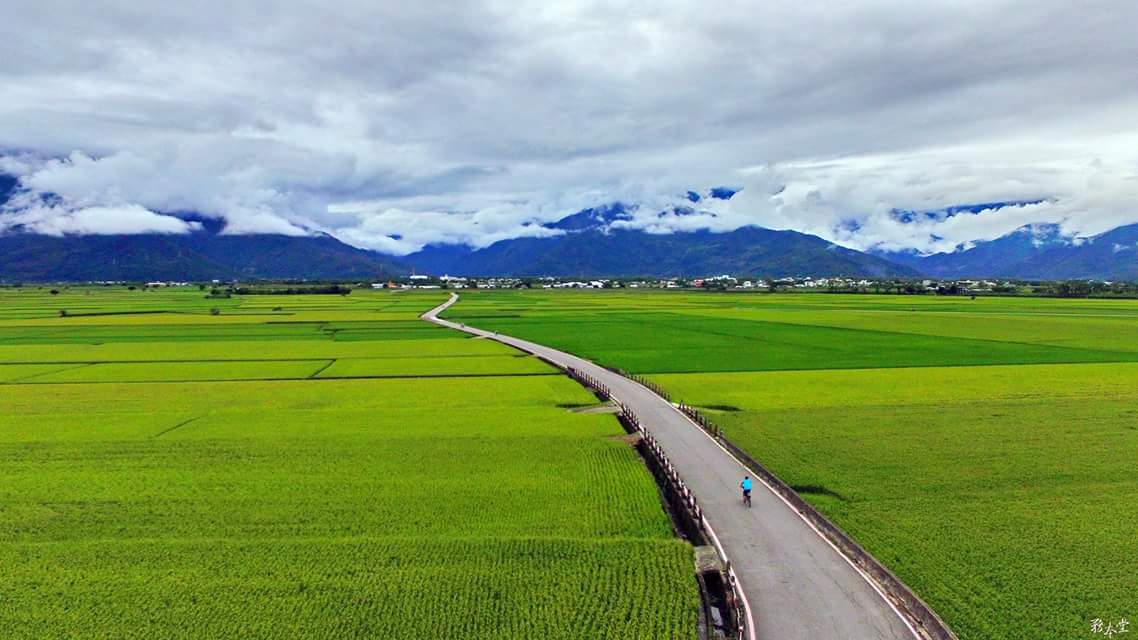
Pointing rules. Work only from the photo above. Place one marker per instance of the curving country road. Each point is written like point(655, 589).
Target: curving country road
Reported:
point(798, 586)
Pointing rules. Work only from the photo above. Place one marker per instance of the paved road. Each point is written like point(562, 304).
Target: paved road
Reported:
point(798, 586)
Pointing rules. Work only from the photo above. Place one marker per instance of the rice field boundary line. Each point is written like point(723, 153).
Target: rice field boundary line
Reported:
point(20, 380)
point(1061, 363)
point(96, 314)
point(49, 334)
point(648, 323)
point(535, 374)
point(173, 361)
point(886, 332)
point(228, 360)
point(177, 426)
point(322, 369)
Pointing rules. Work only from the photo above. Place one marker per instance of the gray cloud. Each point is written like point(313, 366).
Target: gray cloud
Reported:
point(391, 125)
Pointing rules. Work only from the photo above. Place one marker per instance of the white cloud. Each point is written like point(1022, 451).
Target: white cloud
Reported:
point(128, 219)
point(399, 231)
point(393, 125)
point(853, 201)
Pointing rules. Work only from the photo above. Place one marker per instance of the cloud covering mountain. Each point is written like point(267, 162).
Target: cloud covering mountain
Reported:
point(393, 126)
point(1036, 252)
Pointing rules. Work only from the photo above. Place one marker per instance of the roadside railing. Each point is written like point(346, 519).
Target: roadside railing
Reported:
point(928, 624)
point(700, 419)
point(678, 495)
point(644, 382)
point(589, 381)
point(734, 591)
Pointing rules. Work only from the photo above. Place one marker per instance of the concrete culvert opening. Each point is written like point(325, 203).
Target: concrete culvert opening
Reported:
point(716, 613)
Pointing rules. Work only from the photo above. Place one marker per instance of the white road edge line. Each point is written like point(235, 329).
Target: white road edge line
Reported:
point(722, 554)
point(865, 576)
point(742, 593)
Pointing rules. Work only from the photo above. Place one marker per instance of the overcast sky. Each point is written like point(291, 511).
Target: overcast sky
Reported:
point(393, 124)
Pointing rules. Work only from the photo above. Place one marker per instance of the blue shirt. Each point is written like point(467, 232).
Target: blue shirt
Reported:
point(746, 484)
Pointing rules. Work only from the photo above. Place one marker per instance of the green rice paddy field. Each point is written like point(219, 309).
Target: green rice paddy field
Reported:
point(311, 467)
point(985, 450)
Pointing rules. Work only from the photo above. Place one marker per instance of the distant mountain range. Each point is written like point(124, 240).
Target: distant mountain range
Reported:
point(591, 245)
point(1036, 252)
point(207, 254)
point(588, 243)
point(190, 257)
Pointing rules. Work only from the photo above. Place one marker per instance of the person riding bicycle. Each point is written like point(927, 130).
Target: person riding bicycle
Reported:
point(745, 485)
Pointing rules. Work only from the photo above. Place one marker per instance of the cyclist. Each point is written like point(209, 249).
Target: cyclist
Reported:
point(745, 485)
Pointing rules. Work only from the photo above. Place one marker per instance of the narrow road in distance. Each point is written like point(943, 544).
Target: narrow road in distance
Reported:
point(798, 586)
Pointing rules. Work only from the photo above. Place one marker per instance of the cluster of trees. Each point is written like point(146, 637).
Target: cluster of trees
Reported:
point(279, 291)
point(1086, 289)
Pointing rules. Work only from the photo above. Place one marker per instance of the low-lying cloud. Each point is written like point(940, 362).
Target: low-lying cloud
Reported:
point(127, 219)
point(393, 126)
